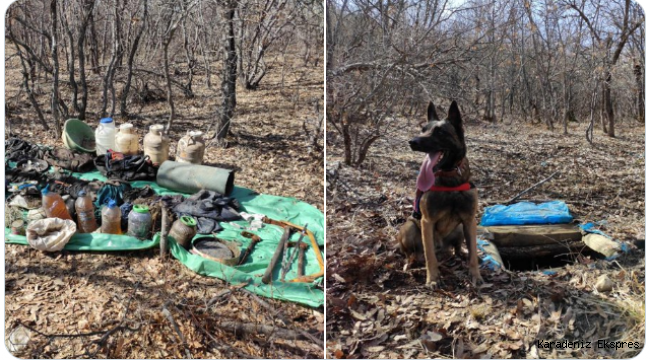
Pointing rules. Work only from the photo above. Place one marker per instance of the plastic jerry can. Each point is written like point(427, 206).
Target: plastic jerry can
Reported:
point(126, 141)
point(105, 136)
point(191, 148)
point(156, 145)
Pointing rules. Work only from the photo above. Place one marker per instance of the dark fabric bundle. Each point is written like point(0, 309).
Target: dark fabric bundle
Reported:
point(139, 193)
point(112, 190)
point(69, 160)
point(17, 149)
point(128, 168)
point(209, 208)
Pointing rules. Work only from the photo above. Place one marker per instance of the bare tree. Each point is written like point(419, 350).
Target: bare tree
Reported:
point(229, 78)
point(55, 72)
point(628, 26)
point(134, 48)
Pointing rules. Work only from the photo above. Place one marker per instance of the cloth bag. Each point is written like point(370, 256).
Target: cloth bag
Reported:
point(50, 234)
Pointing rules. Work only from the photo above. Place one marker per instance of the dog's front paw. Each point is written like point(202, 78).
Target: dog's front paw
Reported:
point(432, 285)
point(433, 280)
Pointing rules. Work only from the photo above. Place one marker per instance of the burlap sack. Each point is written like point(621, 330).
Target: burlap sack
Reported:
point(50, 234)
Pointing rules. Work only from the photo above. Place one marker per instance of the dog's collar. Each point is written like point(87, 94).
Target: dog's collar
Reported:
point(457, 171)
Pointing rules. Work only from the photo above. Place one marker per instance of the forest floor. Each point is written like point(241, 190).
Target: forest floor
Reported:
point(115, 305)
point(377, 310)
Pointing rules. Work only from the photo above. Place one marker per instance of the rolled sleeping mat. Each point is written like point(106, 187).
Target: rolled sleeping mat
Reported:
point(190, 178)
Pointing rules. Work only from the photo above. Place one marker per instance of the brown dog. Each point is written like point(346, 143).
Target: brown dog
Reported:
point(447, 201)
point(410, 242)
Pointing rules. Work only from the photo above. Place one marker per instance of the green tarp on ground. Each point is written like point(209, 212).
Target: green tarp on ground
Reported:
point(275, 207)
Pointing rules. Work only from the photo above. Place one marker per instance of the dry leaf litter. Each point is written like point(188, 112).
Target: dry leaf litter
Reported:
point(377, 310)
point(120, 305)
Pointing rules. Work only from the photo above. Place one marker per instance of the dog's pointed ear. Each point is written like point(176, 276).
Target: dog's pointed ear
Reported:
point(431, 112)
point(454, 116)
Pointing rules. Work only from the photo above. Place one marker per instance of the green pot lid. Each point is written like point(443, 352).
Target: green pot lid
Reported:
point(188, 220)
point(142, 209)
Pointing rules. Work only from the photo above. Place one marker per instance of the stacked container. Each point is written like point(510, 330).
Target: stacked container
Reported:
point(105, 136)
point(156, 145)
point(126, 141)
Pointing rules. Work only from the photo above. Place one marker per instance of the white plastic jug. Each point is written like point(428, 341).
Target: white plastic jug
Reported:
point(105, 136)
point(126, 141)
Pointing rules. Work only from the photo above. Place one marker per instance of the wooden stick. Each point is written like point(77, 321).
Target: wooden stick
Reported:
point(531, 188)
point(268, 330)
point(268, 274)
point(284, 319)
point(170, 318)
point(292, 256)
point(163, 234)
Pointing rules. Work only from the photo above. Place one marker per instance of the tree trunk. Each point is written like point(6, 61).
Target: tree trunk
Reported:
point(603, 120)
point(229, 81)
point(638, 74)
point(191, 61)
point(115, 55)
point(129, 75)
point(55, 69)
point(94, 47)
point(24, 61)
point(609, 108)
point(170, 99)
point(71, 61)
point(88, 7)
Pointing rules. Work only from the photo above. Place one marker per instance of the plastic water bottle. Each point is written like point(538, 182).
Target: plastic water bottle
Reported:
point(86, 222)
point(139, 222)
point(54, 205)
point(111, 218)
point(105, 136)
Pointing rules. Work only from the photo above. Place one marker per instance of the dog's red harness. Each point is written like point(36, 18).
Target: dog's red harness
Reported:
point(462, 187)
point(416, 202)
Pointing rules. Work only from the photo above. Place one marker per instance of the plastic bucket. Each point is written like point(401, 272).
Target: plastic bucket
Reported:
point(77, 135)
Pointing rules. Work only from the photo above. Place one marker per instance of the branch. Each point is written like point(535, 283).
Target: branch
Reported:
point(268, 330)
point(531, 188)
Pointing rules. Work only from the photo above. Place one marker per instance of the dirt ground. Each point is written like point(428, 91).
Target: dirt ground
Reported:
point(377, 310)
point(118, 305)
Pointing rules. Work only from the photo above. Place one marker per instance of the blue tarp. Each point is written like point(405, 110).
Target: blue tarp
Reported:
point(527, 213)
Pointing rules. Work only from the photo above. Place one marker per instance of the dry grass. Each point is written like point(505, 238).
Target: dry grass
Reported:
point(77, 293)
point(376, 310)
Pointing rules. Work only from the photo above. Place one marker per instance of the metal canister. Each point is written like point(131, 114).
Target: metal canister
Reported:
point(183, 230)
point(18, 227)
